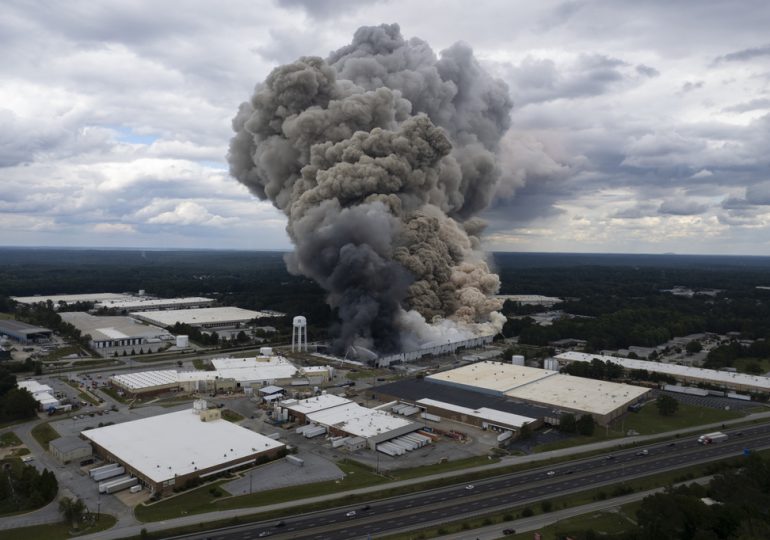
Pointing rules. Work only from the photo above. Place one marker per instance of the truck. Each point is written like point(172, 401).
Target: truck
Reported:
point(710, 438)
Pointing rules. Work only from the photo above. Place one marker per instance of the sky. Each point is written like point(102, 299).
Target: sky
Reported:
point(637, 127)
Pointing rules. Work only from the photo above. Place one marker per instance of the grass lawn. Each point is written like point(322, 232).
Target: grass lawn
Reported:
point(6, 316)
point(363, 374)
point(201, 500)
point(44, 434)
point(9, 439)
point(201, 364)
point(81, 395)
point(57, 530)
point(426, 470)
point(113, 393)
point(602, 523)
point(742, 363)
point(96, 363)
point(231, 416)
point(648, 422)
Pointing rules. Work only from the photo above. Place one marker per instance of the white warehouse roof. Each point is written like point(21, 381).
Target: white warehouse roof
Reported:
point(139, 303)
point(719, 377)
point(202, 316)
point(72, 298)
point(353, 418)
point(484, 413)
point(317, 403)
point(588, 395)
point(254, 369)
point(495, 376)
point(179, 443)
point(34, 387)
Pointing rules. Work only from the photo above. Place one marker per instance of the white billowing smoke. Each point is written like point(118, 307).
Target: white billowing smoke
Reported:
point(380, 156)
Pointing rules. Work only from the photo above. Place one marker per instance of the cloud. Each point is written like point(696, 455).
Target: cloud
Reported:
point(189, 213)
point(758, 194)
point(647, 71)
point(753, 105)
point(681, 207)
point(703, 173)
point(111, 228)
point(745, 54)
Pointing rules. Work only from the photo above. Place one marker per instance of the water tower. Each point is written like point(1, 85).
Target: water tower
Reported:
point(299, 333)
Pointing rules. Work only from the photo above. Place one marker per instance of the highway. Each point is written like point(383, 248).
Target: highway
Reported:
point(499, 493)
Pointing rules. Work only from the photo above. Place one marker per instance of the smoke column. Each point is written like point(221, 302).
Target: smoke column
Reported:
point(380, 156)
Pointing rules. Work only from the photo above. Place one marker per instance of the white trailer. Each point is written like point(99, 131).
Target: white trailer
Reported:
point(710, 438)
point(136, 489)
point(116, 486)
point(101, 468)
point(314, 431)
point(112, 473)
point(104, 485)
point(430, 417)
point(387, 449)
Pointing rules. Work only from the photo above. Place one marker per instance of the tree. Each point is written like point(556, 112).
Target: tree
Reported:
point(567, 423)
point(72, 510)
point(693, 347)
point(667, 406)
point(18, 403)
point(585, 425)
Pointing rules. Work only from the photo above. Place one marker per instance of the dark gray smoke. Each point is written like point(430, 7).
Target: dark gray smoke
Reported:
point(380, 156)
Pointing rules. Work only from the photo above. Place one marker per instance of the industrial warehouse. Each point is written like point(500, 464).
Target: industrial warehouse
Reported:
point(171, 450)
point(739, 382)
point(228, 375)
point(72, 298)
point(112, 336)
point(343, 418)
point(564, 393)
point(24, 333)
point(153, 304)
point(206, 318)
point(149, 383)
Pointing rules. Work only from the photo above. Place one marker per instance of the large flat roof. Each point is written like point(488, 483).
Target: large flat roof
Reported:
point(723, 377)
point(416, 389)
point(355, 419)
point(496, 376)
point(178, 443)
point(317, 403)
point(103, 328)
point(259, 368)
point(18, 327)
point(212, 315)
point(589, 395)
point(139, 303)
point(146, 379)
point(72, 298)
point(484, 413)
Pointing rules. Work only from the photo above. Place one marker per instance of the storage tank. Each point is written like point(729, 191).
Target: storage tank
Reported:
point(182, 341)
point(551, 363)
point(517, 360)
point(266, 351)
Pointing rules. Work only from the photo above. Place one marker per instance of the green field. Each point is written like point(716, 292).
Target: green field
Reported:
point(201, 500)
point(6, 316)
point(648, 422)
point(57, 530)
point(231, 416)
point(44, 434)
point(9, 439)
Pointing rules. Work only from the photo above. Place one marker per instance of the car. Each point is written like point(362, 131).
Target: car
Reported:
point(470, 486)
point(671, 444)
point(365, 507)
point(569, 471)
point(280, 524)
point(263, 534)
point(351, 513)
point(609, 457)
point(550, 473)
point(739, 434)
point(643, 452)
point(509, 531)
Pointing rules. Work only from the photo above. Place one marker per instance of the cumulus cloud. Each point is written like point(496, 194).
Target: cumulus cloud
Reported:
point(681, 207)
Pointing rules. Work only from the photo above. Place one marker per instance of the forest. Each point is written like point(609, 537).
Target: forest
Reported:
point(613, 301)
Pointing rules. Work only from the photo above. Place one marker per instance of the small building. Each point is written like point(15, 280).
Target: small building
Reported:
point(24, 333)
point(43, 394)
point(67, 449)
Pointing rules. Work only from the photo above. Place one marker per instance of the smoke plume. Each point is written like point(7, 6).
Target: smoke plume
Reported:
point(380, 156)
